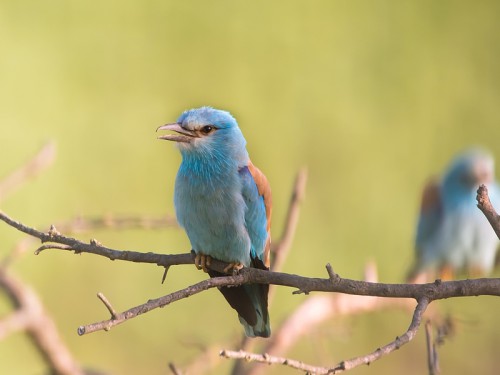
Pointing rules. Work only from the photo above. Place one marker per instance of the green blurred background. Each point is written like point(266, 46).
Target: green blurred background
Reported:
point(371, 96)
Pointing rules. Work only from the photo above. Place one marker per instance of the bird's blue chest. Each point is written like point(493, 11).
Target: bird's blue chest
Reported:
point(210, 207)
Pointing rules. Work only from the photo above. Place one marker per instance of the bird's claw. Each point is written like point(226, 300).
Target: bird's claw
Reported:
point(233, 267)
point(202, 262)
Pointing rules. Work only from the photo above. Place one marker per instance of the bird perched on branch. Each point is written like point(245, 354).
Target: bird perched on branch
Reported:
point(453, 235)
point(224, 203)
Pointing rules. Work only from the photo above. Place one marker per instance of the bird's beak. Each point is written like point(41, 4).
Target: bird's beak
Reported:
point(183, 135)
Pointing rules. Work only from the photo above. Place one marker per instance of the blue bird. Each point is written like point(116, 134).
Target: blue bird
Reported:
point(453, 236)
point(224, 204)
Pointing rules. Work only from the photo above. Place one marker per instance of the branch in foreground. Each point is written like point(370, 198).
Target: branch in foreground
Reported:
point(93, 247)
point(318, 309)
point(431, 292)
point(84, 224)
point(424, 293)
point(484, 204)
point(344, 365)
point(333, 283)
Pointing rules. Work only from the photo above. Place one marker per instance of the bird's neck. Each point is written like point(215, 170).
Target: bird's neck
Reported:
point(458, 194)
point(211, 167)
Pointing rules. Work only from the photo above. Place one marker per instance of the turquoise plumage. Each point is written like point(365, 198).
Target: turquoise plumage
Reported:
point(453, 236)
point(224, 204)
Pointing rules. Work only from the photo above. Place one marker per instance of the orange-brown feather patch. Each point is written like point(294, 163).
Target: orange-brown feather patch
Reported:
point(431, 196)
point(265, 191)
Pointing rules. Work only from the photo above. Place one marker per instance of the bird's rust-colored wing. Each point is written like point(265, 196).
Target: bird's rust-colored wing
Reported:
point(265, 191)
point(431, 197)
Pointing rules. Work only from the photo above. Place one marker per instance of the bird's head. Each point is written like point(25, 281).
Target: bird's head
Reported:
point(471, 169)
point(207, 130)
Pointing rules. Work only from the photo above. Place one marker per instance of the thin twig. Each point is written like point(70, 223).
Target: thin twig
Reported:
point(432, 357)
point(281, 248)
point(320, 308)
point(392, 346)
point(33, 167)
point(77, 246)
point(484, 204)
point(119, 318)
point(429, 292)
point(273, 360)
point(108, 305)
point(83, 224)
point(344, 365)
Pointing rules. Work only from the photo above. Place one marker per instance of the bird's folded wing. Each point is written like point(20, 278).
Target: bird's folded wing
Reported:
point(430, 214)
point(257, 194)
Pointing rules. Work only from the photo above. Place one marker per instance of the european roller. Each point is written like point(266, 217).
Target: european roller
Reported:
point(453, 236)
point(224, 204)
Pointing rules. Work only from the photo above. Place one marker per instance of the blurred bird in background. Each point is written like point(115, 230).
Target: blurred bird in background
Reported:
point(453, 236)
point(224, 203)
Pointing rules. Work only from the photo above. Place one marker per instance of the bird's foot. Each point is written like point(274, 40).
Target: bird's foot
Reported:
point(233, 267)
point(202, 261)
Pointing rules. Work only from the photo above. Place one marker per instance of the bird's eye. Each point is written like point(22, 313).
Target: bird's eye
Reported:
point(207, 129)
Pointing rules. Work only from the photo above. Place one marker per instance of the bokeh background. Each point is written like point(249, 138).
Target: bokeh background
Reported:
point(371, 96)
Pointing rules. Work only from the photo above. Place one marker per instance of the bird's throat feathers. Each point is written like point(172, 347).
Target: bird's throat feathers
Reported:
point(216, 157)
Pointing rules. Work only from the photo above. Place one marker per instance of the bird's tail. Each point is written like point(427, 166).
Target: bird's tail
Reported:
point(258, 296)
point(250, 301)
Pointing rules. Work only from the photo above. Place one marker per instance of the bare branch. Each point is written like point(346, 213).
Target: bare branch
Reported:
point(319, 308)
point(428, 292)
point(281, 248)
point(344, 365)
point(72, 244)
point(116, 222)
point(33, 167)
point(108, 305)
point(31, 317)
point(484, 204)
point(272, 360)
point(437, 290)
point(119, 318)
point(432, 357)
point(394, 345)
point(84, 224)
point(424, 293)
